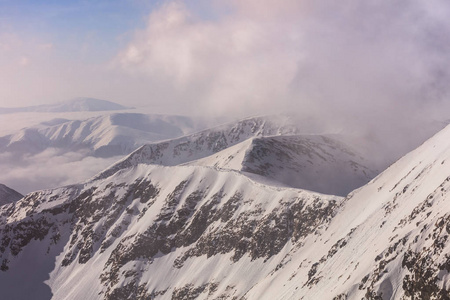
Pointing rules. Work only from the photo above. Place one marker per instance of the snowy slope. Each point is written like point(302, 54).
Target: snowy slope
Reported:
point(103, 136)
point(76, 104)
point(8, 195)
point(266, 147)
point(313, 162)
point(64, 150)
point(142, 231)
point(389, 239)
point(192, 226)
point(207, 142)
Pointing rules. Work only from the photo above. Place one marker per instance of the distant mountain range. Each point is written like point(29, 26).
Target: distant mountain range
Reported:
point(73, 105)
point(280, 148)
point(61, 151)
point(103, 136)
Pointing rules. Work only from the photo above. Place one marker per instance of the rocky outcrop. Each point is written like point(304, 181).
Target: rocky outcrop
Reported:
point(8, 195)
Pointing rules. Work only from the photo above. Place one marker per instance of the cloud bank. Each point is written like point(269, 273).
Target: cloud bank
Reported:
point(49, 169)
point(374, 58)
point(231, 64)
point(371, 67)
point(334, 60)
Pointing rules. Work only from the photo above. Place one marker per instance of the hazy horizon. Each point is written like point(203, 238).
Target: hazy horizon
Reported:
point(377, 68)
point(223, 57)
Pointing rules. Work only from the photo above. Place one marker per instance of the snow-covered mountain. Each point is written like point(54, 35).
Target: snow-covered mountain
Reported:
point(8, 195)
point(63, 151)
point(204, 143)
point(192, 226)
point(73, 105)
point(389, 239)
point(265, 146)
point(314, 162)
point(146, 231)
point(307, 156)
point(103, 136)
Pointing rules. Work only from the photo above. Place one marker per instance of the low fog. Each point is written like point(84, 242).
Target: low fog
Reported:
point(49, 169)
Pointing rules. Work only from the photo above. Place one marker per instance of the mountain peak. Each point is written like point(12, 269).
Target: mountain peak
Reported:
point(89, 104)
point(8, 195)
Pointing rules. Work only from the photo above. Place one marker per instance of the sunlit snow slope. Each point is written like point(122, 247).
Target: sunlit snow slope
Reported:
point(103, 136)
point(152, 231)
point(389, 239)
point(264, 146)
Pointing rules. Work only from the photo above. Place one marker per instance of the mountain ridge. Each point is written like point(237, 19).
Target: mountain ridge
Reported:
point(319, 163)
point(211, 233)
point(196, 196)
point(8, 195)
point(105, 135)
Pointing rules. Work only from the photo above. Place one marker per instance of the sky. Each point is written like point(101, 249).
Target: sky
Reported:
point(379, 68)
point(365, 59)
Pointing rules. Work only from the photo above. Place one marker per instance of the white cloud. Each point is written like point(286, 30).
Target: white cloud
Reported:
point(302, 55)
point(218, 63)
point(378, 66)
point(49, 169)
